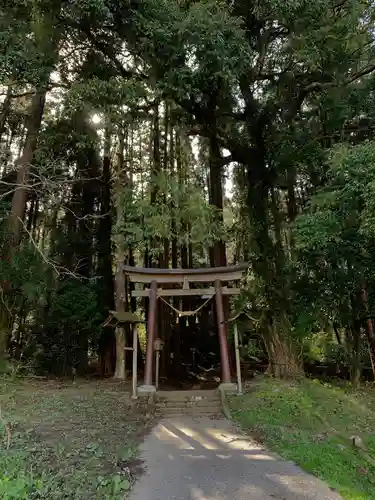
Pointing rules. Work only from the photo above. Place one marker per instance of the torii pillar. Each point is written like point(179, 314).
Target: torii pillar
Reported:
point(148, 386)
point(223, 337)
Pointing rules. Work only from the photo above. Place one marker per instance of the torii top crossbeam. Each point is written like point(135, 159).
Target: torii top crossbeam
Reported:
point(203, 275)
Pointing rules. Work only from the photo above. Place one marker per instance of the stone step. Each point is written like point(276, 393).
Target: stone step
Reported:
point(170, 414)
point(187, 401)
point(186, 406)
point(187, 395)
point(177, 414)
point(199, 402)
point(182, 406)
point(195, 402)
point(189, 407)
point(190, 411)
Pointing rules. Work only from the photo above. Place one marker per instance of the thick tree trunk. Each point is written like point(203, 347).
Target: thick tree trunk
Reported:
point(156, 169)
point(119, 288)
point(218, 251)
point(107, 340)
point(269, 268)
point(23, 168)
point(120, 307)
point(284, 361)
point(81, 230)
point(46, 35)
point(18, 208)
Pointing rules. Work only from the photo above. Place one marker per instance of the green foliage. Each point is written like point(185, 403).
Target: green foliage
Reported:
point(180, 212)
point(113, 90)
point(71, 324)
point(26, 273)
point(28, 35)
point(190, 54)
point(74, 306)
point(335, 238)
point(318, 437)
point(322, 347)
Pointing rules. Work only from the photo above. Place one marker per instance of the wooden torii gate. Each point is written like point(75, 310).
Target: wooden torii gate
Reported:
point(156, 278)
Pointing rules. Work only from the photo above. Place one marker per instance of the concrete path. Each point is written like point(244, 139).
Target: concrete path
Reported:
point(203, 459)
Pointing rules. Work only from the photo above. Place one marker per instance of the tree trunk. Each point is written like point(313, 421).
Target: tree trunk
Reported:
point(283, 359)
point(18, 208)
point(174, 249)
point(337, 333)
point(156, 257)
point(5, 111)
point(120, 307)
point(353, 341)
point(120, 354)
point(269, 269)
point(107, 340)
point(291, 200)
point(218, 251)
point(119, 287)
point(369, 329)
point(23, 168)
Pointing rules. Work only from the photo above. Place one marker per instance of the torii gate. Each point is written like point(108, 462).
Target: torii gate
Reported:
point(156, 277)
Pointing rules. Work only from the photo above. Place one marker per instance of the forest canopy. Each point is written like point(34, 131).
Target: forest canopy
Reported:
point(187, 134)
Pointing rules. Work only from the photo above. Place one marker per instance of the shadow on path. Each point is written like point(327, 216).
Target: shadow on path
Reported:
point(203, 459)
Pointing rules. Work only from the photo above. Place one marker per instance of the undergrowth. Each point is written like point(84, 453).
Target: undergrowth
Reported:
point(313, 424)
point(66, 442)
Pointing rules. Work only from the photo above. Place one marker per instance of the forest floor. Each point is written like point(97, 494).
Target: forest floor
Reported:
point(313, 424)
point(66, 440)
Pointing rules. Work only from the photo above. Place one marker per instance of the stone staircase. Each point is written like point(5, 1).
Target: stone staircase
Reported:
point(199, 403)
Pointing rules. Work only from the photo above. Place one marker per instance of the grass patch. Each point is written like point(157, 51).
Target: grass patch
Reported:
point(67, 441)
point(311, 423)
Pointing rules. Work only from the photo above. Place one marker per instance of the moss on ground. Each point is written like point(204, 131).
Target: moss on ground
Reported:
point(68, 441)
point(311, 423)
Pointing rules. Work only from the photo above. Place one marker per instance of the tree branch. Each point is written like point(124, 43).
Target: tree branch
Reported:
point(321, 86)
point(109, 52)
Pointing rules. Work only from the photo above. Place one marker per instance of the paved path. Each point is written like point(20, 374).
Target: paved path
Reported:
point(204, 459)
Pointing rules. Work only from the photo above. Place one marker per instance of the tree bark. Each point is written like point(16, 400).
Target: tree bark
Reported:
point(269, 269)
point(369, 328)
point(337, 333)
point(18, 207)
point(353, 341)
point(218, 251)
point(107, 340)
point(119, 287)
point(120, 354)
point(283, 359)
point(5, 111)
point(120, 307)
point(23, 168)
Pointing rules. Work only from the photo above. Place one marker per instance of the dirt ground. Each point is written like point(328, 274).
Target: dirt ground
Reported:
point(69, 440)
